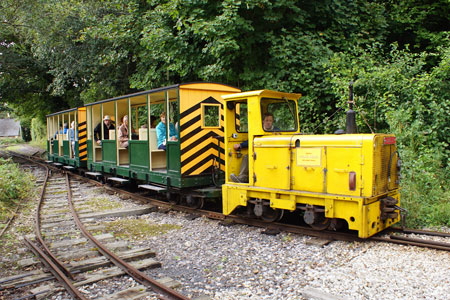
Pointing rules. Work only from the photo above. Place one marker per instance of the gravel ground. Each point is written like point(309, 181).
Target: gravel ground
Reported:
point(238, 262)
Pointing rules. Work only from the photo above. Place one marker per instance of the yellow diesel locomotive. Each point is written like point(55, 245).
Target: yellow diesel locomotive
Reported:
point(271, 168)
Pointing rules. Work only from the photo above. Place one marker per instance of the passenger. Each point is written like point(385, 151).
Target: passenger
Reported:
point(61, 131)
point(107, 125)
point(243, 171)
point(123, 132)
point(153, 121)
point(72, 137)
point(161, 132)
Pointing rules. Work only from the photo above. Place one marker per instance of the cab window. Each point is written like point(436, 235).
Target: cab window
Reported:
point(241, 117)
point(278, 115)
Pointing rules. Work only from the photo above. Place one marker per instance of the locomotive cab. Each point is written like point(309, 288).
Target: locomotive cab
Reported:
point(329, 180)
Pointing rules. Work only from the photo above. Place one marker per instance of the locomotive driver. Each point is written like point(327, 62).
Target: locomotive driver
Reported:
point(243, 171)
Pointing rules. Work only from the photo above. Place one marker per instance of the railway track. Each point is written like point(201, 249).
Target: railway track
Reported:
point(392, 235)
point(56, 194)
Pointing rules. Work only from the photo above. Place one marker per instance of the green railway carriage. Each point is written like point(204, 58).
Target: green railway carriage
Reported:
point(67, 145)
point(195, 110)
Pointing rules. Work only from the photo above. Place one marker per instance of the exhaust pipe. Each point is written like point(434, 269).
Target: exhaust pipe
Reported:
point(351, 114)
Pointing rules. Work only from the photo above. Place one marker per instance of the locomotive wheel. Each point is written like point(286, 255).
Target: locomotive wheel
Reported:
point(271, 215)
point(195, 202)
point(321, 224)
point(173, 198)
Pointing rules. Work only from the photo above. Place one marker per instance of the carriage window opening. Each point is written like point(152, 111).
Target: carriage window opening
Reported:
point(211, 115)
point(138, 119)
point(155, 112)
point(284, 114)
point(142, 116)
point(173, 114)
point(241, 117)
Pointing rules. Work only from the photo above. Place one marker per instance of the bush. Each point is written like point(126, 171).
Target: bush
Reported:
point(15, 185)
point(38, 130)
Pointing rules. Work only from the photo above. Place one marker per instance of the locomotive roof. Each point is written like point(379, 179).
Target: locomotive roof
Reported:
point(262, 93)
point(62, 112)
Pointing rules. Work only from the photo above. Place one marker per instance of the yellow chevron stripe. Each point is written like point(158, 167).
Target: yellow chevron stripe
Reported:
point(190, 128)
point(192, 115)
point(202, 168)
point(198, 136)
point(197, 160)
point(197, 148)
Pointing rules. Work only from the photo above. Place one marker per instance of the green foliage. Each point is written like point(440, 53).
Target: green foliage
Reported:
point(14, 185)
point(38, 130)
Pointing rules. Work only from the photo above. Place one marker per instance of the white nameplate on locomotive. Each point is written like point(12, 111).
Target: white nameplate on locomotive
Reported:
point(309, 157)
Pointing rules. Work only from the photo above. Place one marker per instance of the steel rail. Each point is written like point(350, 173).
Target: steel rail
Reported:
point(47, 261)
point(331, 235)
point(10, 220)
point(422, 241)
point(419, 231)
point(37, 229)
point(129, 269)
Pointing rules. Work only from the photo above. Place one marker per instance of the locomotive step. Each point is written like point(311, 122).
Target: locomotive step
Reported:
point(152, 187)
point(118, 179)
point(94, 174)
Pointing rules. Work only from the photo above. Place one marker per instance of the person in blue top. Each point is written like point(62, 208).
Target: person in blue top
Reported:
point(161, 132)
point(61, 131)
point(72, 137)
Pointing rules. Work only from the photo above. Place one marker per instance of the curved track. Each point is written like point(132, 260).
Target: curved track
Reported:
point(60, 271)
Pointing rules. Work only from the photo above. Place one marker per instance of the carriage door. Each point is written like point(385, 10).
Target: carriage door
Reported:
point(172, 121)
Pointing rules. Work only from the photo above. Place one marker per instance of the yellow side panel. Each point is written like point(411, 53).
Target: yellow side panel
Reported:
point(308, 169)
point(340, 162)
point(272, 168)
point(233, 197)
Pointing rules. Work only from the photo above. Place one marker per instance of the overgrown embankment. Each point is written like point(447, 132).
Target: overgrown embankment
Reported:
point(15, 187)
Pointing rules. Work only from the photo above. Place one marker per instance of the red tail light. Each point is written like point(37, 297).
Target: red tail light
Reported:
point(352, 181)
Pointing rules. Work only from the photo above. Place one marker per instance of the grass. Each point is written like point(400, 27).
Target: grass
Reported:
point(137, 228)
point(426, 208)
point(14, 148)
point(15, 189)
point(15, 185)
point(102, 203)
point(11, 141)
point(39, 143)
